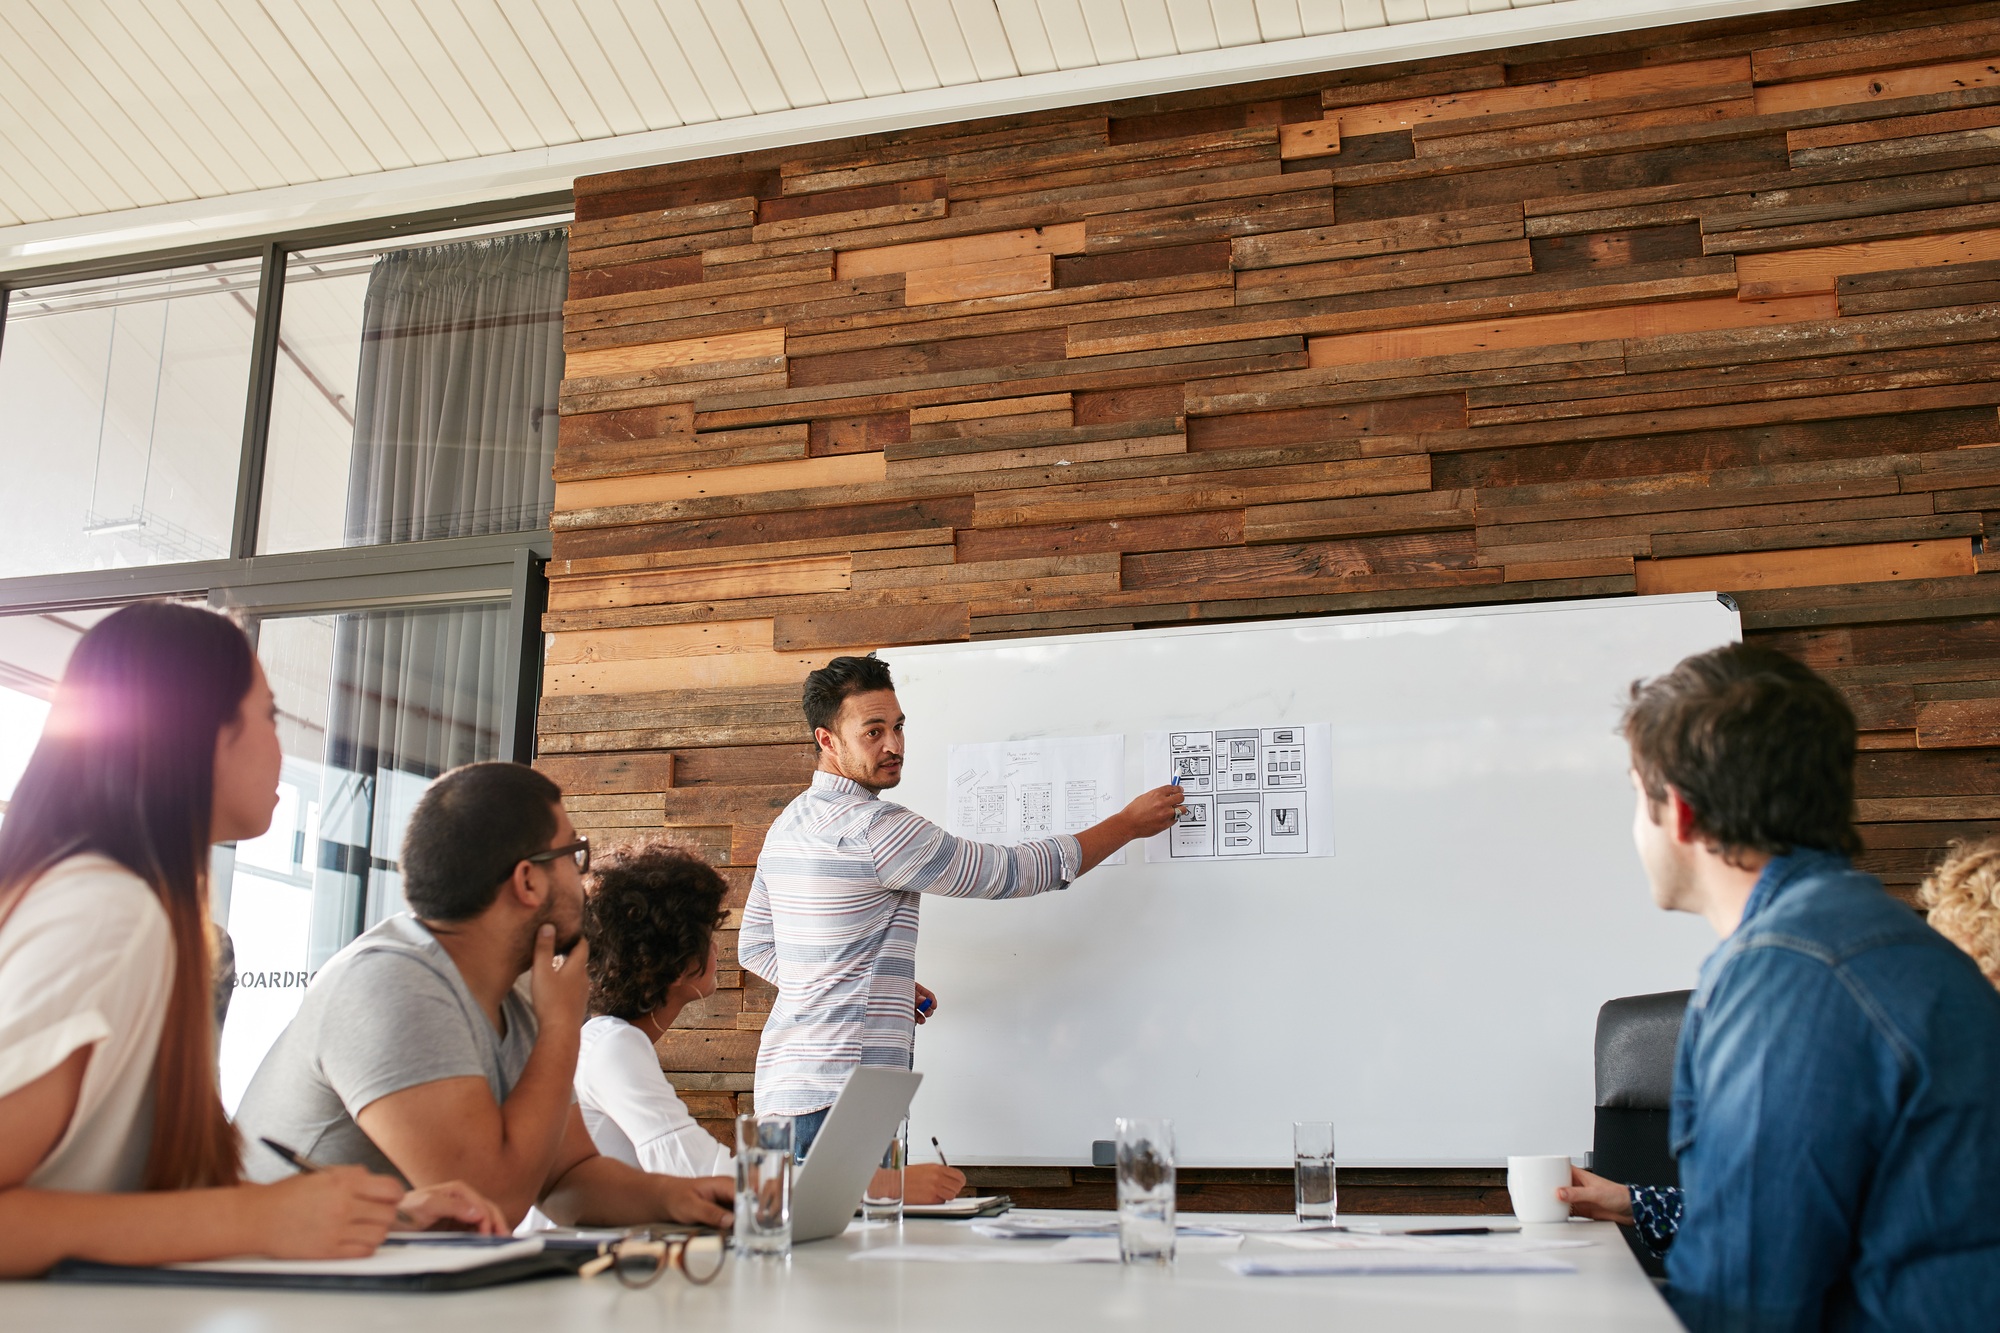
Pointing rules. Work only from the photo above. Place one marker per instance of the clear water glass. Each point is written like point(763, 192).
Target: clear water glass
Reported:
point(1146, 1191)
point(764, 1185)
point(882, 1200)
point(1316, 1198)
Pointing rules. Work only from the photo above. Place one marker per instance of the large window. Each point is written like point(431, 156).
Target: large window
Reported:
point(415, 390)
point(372, 706)
point(347, 440)
point(121, 412)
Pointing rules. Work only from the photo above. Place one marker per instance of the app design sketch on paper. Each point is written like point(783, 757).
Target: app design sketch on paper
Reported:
point(1006, 791)
point(1247, 789)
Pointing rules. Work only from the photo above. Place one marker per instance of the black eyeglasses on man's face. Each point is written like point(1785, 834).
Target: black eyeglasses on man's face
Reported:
point(578, 850)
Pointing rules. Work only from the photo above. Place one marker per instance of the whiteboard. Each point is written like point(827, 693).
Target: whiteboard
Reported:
point(1432, 988)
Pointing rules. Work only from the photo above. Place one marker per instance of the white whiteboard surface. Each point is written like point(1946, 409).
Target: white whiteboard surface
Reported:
point(1432, 988)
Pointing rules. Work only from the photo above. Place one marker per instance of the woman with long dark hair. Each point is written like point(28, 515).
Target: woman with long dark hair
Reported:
point(113, 1142)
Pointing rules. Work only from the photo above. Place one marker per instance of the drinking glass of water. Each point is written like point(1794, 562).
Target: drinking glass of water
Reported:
point(1316, 1199)
point(1146, 1191)
point(882, 1200)
point(764, 1185)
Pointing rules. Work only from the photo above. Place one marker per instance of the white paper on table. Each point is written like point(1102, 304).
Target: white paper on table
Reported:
point(1008, 792)
point(1253, 793)
point(1022, 1225)
point(994, 1254)
point(1421, 1244)
point(389, 1261)
point(1391, 1263)
point(1074, 1250)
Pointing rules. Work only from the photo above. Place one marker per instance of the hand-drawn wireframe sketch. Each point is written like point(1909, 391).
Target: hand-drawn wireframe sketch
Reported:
point(1008, 791)
point(1251, 792)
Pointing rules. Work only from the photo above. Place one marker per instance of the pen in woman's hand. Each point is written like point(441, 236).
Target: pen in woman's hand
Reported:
point(940, 1151)
point(304, 1164)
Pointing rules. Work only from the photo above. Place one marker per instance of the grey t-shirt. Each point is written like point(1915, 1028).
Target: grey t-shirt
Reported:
point(386, 1013)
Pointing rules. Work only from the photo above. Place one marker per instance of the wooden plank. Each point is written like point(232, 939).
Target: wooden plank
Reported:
point(1312, 138)
point(769, 578)
point(1215, 569)
point(1374, 515)
point(1382, 272)
point(1956, 724)
point(1840, 231)
point(1166, 533)
point(708, 1049)
point(1882, 86)
point(970, 282)
point(841, 544)
point(1228, 490)
point(1307, 245)
point(1872, 563)
point(897, 516)
point(1056, 455)
point(1561, 92)
point(853, 469)
point(949, 252)
point(887, 626)
point(1871, 48)
point(991, 407)
point(1803, 142)
point(825, 224)
point(1639, 321)
point(647, 358)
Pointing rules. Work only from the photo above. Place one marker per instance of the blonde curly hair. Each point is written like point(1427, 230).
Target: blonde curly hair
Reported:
point(1962, 897)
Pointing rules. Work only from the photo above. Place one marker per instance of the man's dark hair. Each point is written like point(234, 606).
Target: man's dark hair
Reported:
point(1757, 744)
point(827, 688)
point(469, 831)
point(650, 915)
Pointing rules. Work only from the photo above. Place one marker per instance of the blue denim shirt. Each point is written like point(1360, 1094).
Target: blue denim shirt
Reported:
point(1837, 1118)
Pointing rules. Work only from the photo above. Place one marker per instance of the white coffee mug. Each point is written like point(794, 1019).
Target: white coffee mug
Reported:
point(1532, 1183)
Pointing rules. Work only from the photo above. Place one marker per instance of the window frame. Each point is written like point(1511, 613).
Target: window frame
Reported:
point(459, 569)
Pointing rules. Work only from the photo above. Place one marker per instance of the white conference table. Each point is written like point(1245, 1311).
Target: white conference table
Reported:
point(820, 1290)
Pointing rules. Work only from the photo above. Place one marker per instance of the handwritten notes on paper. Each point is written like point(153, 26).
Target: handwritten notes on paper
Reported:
point(1011, 791)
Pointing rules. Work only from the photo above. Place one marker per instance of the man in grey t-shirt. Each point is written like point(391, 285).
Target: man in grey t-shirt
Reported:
point(422, 1049)
point(387, 1013)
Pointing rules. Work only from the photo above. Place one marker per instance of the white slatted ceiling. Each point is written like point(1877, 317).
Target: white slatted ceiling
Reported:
point(112, 104)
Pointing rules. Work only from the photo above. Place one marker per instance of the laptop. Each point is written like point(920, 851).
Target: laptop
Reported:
point(830, 1182)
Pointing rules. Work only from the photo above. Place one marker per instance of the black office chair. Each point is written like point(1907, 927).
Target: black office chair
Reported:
point(1635, 1091)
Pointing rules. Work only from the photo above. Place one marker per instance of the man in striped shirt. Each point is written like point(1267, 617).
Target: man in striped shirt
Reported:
point(832, 916)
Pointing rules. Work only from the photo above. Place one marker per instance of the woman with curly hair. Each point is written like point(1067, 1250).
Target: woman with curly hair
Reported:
point(1962, 897)
point(651, 916)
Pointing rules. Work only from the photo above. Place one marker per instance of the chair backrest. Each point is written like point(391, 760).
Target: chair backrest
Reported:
point(1635, 1050)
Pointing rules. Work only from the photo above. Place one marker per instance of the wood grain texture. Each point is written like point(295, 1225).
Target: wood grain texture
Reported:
point(1708, 307)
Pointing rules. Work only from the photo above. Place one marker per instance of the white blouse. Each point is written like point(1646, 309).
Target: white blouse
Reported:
point(633, 1113)
point(87, 959)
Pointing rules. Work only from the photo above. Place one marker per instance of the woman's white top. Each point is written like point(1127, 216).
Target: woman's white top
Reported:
point(87, 959)
point(633, 1113)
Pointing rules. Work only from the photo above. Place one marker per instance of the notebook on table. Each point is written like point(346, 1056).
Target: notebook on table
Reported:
point(453, 1263)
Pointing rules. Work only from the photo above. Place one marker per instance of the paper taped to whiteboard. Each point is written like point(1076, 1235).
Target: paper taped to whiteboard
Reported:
point(1253, 793)
point(1011, 791)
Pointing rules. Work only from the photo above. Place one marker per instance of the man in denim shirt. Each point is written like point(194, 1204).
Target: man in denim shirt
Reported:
point(1837, 1086)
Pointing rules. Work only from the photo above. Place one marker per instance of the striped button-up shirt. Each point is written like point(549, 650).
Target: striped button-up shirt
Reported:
point(832, 923)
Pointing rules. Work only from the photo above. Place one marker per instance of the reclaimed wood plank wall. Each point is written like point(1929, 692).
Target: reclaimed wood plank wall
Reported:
point(1702, 307)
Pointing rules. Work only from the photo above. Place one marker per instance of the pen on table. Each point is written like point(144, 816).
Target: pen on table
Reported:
point(1459, 1231)
point(940, 1151)
point(305, 1164)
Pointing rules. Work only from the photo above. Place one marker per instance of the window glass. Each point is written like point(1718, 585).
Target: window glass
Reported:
point(34, 649)
point(415, 389)
point(372, 706)
point(121, 415)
